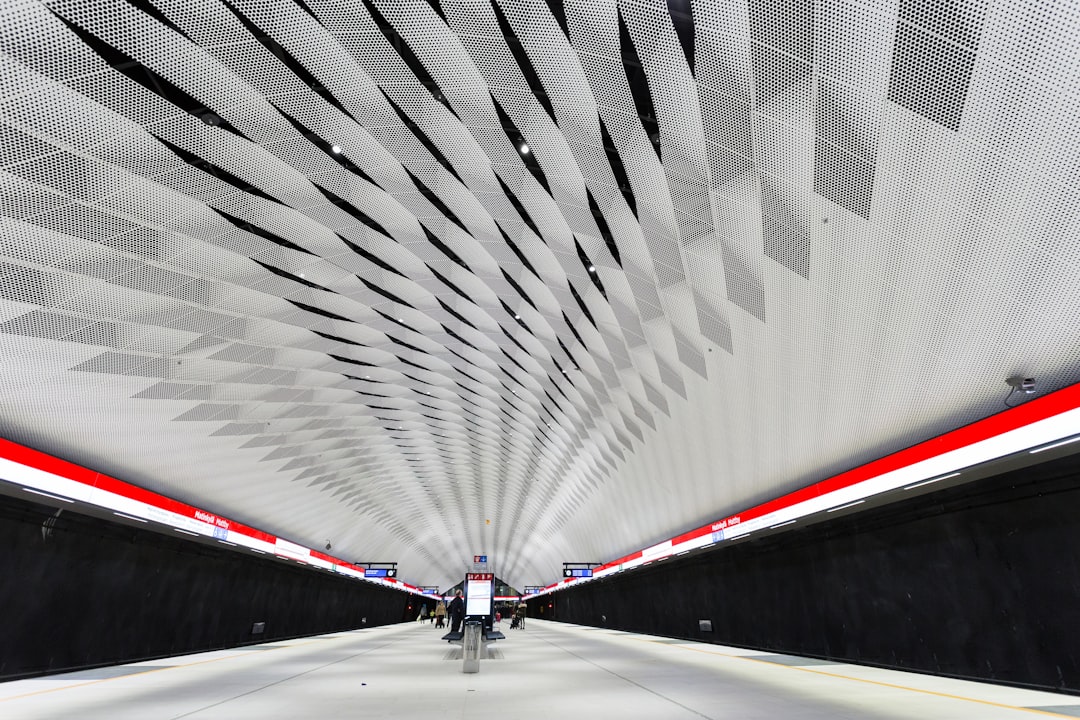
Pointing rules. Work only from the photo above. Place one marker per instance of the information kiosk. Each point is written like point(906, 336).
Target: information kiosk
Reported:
point(479, 607)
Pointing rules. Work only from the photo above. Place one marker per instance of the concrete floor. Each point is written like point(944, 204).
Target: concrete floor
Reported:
point(547, 671)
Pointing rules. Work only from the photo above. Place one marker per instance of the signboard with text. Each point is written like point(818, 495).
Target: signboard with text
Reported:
point(479, 593)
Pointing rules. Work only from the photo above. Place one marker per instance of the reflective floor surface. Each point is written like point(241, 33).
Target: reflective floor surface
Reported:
point(547, 671)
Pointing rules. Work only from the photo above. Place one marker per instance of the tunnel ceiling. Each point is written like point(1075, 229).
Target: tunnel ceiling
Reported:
point(539, 281)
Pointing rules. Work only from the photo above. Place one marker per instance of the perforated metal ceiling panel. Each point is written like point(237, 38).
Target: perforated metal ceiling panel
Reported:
point(547, 282)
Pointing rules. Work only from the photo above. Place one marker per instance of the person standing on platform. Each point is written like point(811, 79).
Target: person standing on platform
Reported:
point(520, 614)
point(422, 617)
point(457, 611)
point(440, 614)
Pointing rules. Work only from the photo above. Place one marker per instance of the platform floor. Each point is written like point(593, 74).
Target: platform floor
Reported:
point(548, 671)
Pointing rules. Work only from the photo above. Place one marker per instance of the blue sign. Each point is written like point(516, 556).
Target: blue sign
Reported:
point(580, 572)
point(376, 572)
point(479, 558)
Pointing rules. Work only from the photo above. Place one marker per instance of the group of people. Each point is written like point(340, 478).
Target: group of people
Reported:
point(437, 614)
point(456, 611)
point(518, 621)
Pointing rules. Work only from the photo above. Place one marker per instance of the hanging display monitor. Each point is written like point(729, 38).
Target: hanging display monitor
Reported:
point(479, 597)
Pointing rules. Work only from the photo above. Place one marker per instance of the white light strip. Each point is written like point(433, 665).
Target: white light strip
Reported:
point(789, 522)
point(186, 532)
point(48, 495)
point(1057, 444)
point(224, 542)
point(931, 480)
point(129, 517)
point(258, 551)
point(850, 504)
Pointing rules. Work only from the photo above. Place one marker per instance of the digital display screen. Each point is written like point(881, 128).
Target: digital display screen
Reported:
point(478, 600)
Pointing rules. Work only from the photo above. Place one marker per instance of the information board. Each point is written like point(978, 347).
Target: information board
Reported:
point(478, 593)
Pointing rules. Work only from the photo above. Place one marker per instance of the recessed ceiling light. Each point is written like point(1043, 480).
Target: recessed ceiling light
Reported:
point(517, 317)
point(592, 268)
point(336, 149)
point(524, 149)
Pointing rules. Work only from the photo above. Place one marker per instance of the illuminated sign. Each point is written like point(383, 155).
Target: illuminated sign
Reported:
point(1040, 424)
point(42, 474)
point(479, 593)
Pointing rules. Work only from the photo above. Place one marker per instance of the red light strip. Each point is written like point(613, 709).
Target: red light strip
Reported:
point(1035, 423)
point(34, 470)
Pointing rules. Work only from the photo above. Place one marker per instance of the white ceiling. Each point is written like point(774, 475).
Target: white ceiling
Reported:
point(832, 236)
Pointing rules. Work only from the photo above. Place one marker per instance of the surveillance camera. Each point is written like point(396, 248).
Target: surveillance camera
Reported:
point(327, 544)
point(1021, 384)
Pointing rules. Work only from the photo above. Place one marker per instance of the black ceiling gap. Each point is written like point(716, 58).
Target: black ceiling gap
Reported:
point(392, 319)
point(150, 9)
point(572, 329)
point(372, 257)
point(563, 346)
point(289, 276)
point(404, 344)
point(318, 141)
point(457, 337)
point(317, 311)
point(385, 293)
point(639, 85)
point(407, 55)
point(517, 251)
point(303, 6)
point(557, 10)
point(335, 338)
point(605, 231)
point(447, 283)
point(200, 163)
point(412, 364)
point(352, 210)
point(342, 358)
point(422, 137)
point(519, 207)
point(288, 60)
point(143, 75)
point(517, 140)
point(261, 232)
point(455, 315)
point(523, 61)
point(436, 201)
point(617, 168)
point(682, 16)
point(593, 275)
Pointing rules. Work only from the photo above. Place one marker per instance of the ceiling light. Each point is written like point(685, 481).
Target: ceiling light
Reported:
point(1057, 444)
point(931, 480)
point(592, 268)
point(524, 149)
point(517, 317)
point(336, 149)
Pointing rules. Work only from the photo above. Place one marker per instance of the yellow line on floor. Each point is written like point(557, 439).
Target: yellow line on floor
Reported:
point(864, 680)
point(135, 674)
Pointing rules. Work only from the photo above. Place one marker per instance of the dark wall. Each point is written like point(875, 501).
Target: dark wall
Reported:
point(979, 581)
point(91, 592)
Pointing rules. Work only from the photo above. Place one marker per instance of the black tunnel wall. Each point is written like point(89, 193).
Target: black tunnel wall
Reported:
point(95, 592)
point(979, 581)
